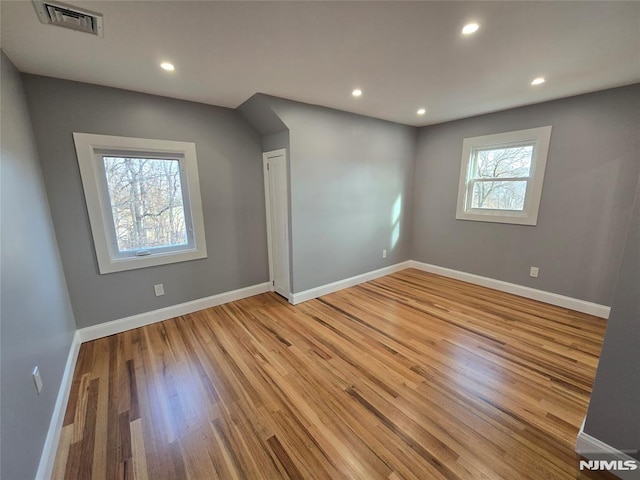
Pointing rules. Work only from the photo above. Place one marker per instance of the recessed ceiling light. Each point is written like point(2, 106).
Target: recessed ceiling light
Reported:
point(167, 66)
point(538, 81)
point(421, 111)
point(357, 92)
point(470, 28)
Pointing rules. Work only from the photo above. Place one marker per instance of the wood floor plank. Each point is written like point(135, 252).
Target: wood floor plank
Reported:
point(409, 376)
point(138, 453)
point(101, 373)
point(62, 456)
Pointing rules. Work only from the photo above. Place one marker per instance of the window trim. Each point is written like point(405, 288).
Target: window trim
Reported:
point(90, 149)
point(539, 138)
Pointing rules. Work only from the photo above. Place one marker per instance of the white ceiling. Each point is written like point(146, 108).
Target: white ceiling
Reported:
point(403, 55)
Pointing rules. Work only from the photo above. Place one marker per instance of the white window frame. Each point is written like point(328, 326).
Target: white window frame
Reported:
point(539, 138)
point(91, 149)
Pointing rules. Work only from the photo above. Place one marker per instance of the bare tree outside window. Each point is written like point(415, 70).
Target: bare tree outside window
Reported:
point(146, 202)
point(500, 177)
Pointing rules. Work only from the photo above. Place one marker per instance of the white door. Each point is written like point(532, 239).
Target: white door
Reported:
point(277, 202)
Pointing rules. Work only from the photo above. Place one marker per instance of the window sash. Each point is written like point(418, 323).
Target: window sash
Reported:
point(473, 178)
point(473, 173)
point(469, 198)
point(105, 200)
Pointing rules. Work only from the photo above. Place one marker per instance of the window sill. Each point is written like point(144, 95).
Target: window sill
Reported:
point(514, 219)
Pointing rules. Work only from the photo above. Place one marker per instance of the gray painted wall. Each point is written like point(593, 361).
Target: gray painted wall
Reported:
point(37, 322)
point(347, 172)
point(586, 202)
point(257, 111)
point(261, 116)
point(230, 169)
point(613, 416)
point(275, 141)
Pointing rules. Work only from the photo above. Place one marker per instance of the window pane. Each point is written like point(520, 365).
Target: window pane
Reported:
point(146, 202)
point(510, 162)
point(499, 195)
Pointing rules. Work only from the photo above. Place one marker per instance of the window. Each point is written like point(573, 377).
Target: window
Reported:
point(501, 176)
point(143, 199)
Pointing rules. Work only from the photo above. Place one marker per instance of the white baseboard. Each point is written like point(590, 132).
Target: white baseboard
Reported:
point(121, 325)
point(593, 449)
point(346, 283)
point(48, 456)
point(527, 292)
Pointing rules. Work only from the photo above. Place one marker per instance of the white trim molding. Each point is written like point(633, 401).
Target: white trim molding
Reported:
point(48, 456)
point(527, 292)
point(593, 449)
point(122, 325)
point(346, 283)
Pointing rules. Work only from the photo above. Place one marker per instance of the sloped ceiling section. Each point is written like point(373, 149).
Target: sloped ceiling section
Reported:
point(261, 116)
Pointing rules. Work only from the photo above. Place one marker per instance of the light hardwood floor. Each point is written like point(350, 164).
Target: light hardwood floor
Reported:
point(410, 376)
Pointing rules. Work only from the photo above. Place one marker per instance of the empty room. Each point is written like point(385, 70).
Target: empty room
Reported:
point(320, 240)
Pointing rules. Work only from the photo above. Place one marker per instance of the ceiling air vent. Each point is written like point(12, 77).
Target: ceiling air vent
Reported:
point(63, 15)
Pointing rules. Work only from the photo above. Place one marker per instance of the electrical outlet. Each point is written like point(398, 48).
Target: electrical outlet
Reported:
point(37, 380)
point(159, 289)
point(534, 272)
point(384, 254)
